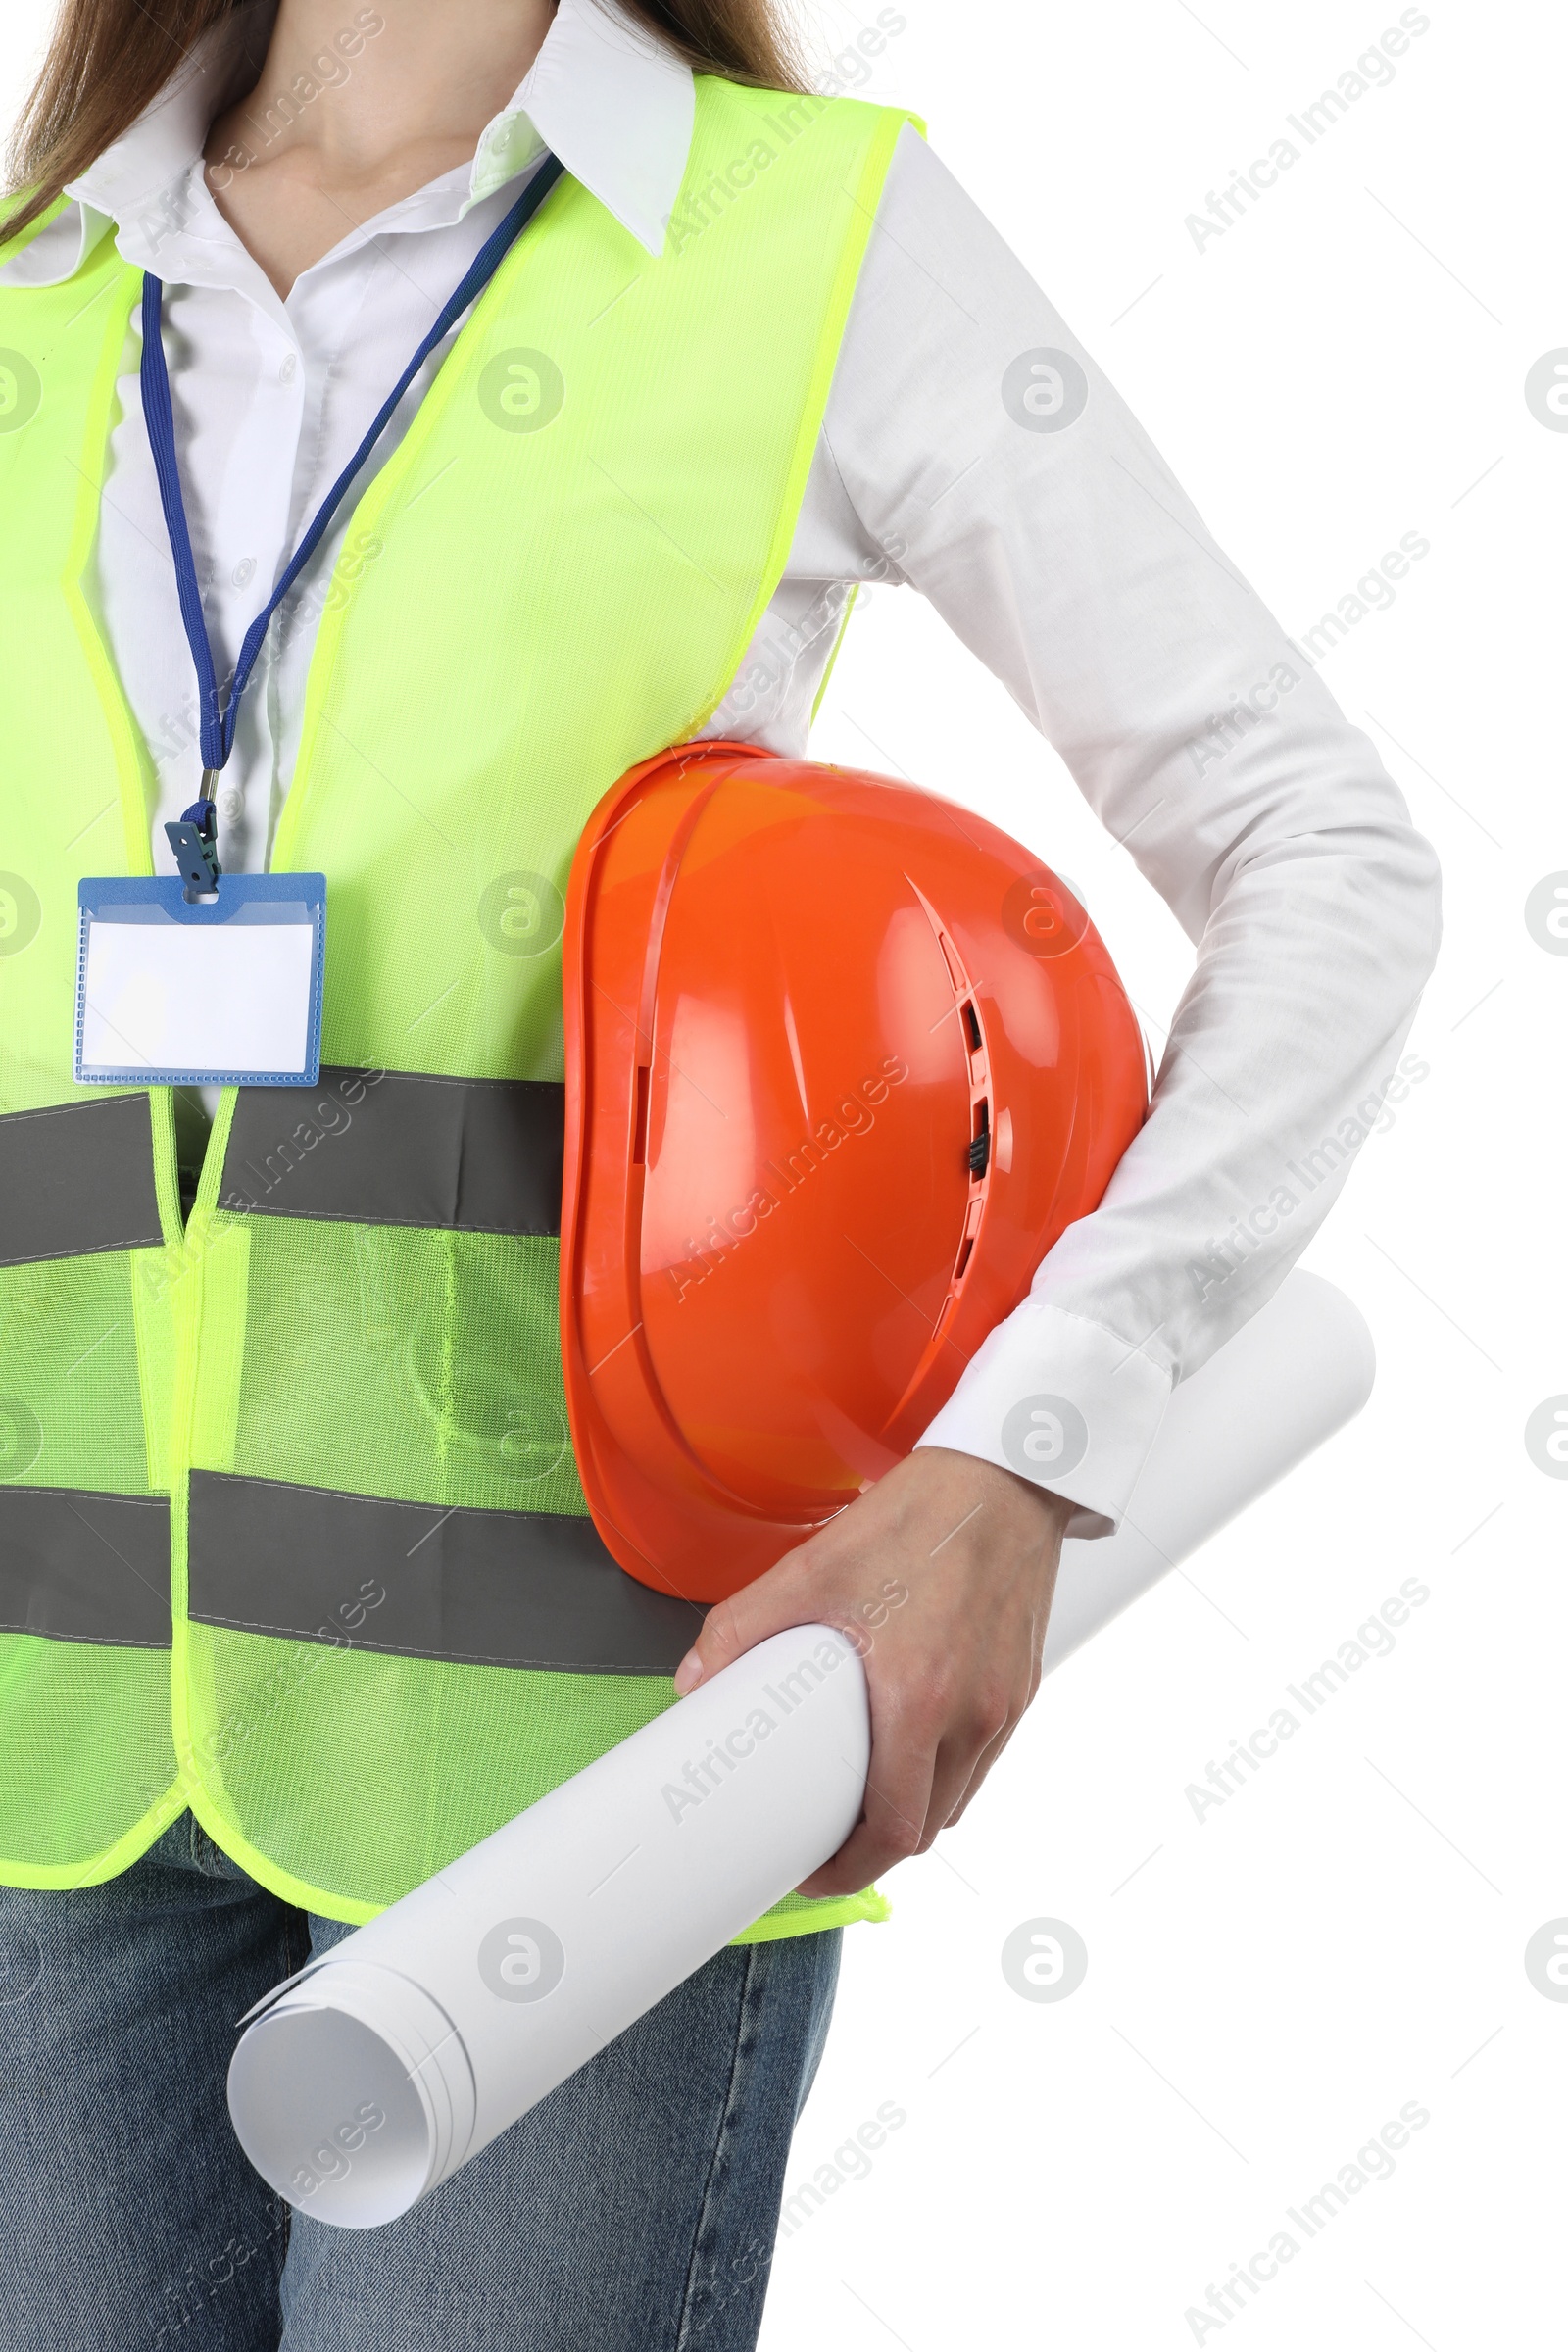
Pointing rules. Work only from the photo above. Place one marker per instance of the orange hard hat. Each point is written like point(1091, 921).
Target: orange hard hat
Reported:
point(843, 1061)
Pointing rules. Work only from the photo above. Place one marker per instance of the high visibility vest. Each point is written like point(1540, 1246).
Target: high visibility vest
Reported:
point(290, 1527)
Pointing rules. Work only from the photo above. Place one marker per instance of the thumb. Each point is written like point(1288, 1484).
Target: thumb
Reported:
point(769, 1606)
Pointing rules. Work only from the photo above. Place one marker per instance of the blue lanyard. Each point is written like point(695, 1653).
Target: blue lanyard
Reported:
point(194, 838)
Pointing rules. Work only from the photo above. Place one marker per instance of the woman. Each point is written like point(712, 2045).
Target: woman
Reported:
point(736, 349)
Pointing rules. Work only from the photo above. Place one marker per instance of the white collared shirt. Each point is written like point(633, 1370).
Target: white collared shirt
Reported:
point(1068, 561)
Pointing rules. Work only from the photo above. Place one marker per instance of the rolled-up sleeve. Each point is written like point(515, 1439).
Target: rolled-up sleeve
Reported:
point(1027, 505)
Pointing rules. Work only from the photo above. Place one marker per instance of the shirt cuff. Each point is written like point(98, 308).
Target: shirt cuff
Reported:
point(1062, 1401)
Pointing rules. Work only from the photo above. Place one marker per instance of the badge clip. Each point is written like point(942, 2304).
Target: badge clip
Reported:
point(194, 842)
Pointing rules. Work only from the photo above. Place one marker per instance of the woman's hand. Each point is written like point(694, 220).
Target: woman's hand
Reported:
point(942, 1573)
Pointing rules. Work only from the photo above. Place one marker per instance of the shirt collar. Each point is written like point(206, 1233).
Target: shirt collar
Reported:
point(612, 101)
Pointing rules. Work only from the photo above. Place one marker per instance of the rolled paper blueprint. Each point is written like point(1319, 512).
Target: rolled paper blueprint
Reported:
point(1293, 1375)
point(366, 2079)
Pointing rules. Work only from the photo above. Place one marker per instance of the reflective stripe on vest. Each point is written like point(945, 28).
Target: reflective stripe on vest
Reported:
point(76, 1178)
point(401, 1147)
point(474, 1588)
point(345, 1371)
point(78, 1567)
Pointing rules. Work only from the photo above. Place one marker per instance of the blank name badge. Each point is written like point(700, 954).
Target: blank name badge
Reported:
point(224, 991)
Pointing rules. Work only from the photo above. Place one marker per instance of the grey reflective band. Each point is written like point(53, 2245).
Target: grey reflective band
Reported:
point(79, 1567)
point(399, 1147)
point(475, 1587)
point(78, 1178)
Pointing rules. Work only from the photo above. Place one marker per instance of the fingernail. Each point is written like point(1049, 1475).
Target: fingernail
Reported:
point(688, 1674)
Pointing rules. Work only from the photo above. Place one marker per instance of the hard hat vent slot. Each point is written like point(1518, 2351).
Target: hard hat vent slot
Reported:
point(980, 1140)
point(971, 1234)
point(639, 1148)
point(972, 1022)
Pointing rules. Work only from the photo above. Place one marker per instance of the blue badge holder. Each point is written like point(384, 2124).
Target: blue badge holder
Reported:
point(220, 991)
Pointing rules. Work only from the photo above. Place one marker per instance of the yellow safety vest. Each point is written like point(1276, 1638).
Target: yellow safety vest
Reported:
point(290, 1527)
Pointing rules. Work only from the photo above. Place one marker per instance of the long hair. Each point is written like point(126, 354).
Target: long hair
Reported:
point(110, 59)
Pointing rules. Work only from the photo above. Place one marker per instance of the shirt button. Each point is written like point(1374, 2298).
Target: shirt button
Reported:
point(244, 572)
point(290, 369)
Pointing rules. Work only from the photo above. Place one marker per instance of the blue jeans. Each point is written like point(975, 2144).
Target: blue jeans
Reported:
point(633, 2209)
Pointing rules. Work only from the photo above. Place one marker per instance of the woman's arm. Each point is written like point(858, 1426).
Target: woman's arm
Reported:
point(1055, 542)
point(1205, 741)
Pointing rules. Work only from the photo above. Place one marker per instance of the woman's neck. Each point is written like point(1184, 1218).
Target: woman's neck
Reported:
point(356, 108)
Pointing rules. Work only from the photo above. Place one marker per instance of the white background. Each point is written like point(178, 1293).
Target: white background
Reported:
point(1270, 1984)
